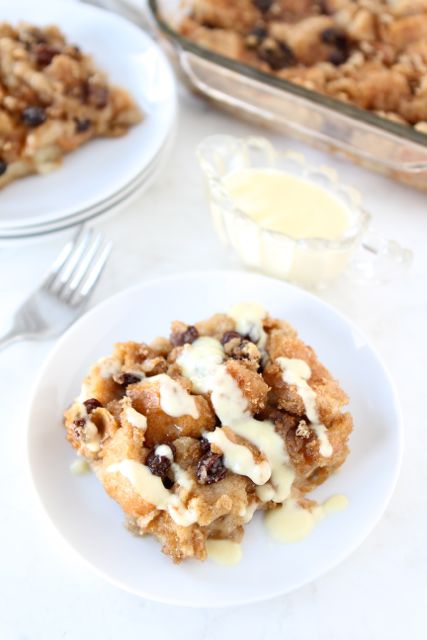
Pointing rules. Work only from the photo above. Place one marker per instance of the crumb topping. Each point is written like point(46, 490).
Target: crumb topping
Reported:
point(371, 53)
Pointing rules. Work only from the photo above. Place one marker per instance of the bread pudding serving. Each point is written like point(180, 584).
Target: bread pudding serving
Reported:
point(53, 99)
point(371, 53)
point(192, 434)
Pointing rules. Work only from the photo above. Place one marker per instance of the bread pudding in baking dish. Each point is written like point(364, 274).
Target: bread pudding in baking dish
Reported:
point(370, 53)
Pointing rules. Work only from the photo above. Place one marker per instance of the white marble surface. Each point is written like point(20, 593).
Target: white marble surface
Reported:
point(379, 592)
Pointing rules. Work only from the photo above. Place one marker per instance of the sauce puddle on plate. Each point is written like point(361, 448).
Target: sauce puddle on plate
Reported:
point(291, 522)
point(224, 552)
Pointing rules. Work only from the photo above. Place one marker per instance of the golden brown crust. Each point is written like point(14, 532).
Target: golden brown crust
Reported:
point(145, 397)
point(250, 383)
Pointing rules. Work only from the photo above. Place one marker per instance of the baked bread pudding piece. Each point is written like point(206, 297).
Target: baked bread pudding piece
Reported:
point(371, 53)
point(192, 434)
point(52, 100)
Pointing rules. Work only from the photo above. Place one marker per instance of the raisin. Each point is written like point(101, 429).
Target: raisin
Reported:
point(129, 378)
point(34, 116)
point(336, 37)
point(78, 426)
point(324, 7)
point(3, 167)
point(96, 95)
point(92, 404)
point(263, 5)
point(210, 468)
point(186, 337)
point(209, 24)
point(82, 124)
point(338, 57)
point(205, 446)
point(45, 53)
point(255, 36)
point(229, 335)
point(158, 465)
point(167, 482)
point(277, 54)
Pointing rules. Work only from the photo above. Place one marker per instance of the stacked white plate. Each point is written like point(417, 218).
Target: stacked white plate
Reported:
point(104, 173)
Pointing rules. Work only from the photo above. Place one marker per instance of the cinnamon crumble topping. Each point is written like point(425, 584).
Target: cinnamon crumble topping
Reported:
point(370, 53)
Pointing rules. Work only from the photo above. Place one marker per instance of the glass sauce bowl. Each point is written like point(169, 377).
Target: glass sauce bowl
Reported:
point(310, 262)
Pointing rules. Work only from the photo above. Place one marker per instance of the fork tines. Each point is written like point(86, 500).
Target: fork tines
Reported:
point(77, 268)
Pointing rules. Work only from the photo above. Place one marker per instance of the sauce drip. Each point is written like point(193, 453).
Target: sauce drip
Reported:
point(291, 522)
point(174, 399)
point(224, 552)
point(297, 372)
point(151, 489)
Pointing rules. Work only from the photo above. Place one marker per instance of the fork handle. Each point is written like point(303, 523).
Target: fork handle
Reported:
point(12, 335)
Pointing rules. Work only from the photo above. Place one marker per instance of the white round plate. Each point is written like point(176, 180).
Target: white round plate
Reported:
point(108, 207)
point(111, 207)
point(92, 524)
point(102, 167)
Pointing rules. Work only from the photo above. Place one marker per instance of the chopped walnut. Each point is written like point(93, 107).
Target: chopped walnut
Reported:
point(303, 430)
point(244, 350)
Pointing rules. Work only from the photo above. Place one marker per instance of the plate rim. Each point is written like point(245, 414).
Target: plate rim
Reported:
point(113, 205)
point(236, 601)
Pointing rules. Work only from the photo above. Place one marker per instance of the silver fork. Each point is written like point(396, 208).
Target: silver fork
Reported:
point(66, 288)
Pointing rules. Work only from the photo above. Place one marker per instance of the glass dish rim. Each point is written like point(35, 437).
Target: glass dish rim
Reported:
point(310, 243)
point(405, 133)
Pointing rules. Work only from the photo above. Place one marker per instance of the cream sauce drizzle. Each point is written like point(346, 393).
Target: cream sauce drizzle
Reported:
point(151, 489)
point(248, 512)
point(238, 458)
point(291, 522)
point(108, 366)
point(207, 373)
point(164, 451)
point(297, 372)
point(85, 393)
point(182, 477)
point(248, 317)
point(175, 401)
point(135, 418)
point(200, 361)
point(92, 438)
point(224, 552)
point(265, 492)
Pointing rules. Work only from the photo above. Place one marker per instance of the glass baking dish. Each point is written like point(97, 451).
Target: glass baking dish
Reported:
point(396, 150)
